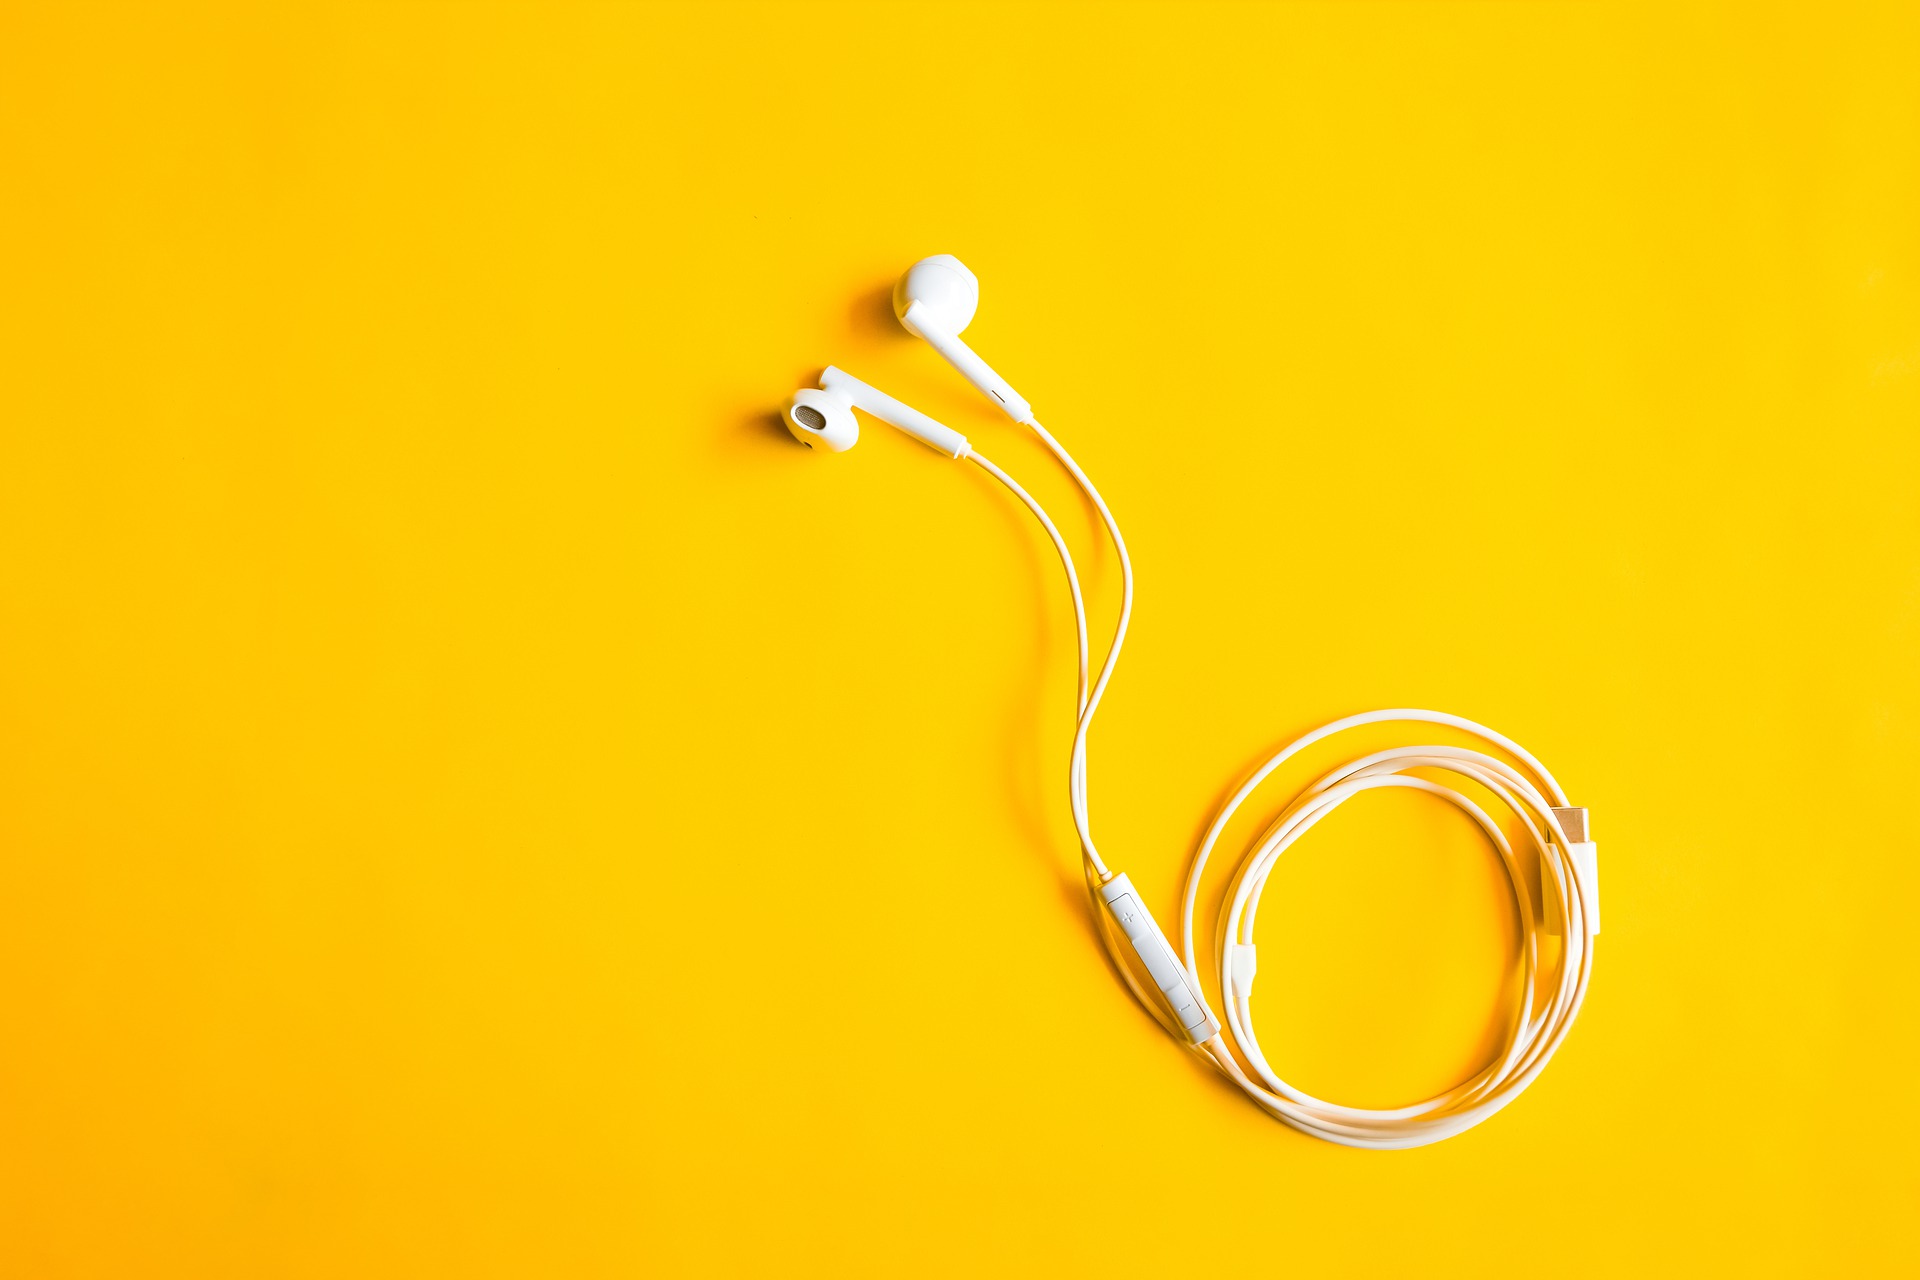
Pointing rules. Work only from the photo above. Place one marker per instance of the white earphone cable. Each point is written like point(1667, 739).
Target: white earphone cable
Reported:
point(1556, 932)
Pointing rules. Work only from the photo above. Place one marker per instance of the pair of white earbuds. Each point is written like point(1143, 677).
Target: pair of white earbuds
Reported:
point(936, 300)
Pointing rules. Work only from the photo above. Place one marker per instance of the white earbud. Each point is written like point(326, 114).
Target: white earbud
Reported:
point(824, 417)
point(936, 300)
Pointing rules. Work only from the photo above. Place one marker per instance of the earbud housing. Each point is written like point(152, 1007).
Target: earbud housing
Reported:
point(948, 293)
point(822, 417)
point(934, 301)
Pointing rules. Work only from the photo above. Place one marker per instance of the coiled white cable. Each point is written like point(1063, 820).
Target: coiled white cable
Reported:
point(1556, 955)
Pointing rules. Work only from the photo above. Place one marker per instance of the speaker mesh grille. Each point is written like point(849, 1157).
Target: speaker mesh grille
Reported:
point(809, 417)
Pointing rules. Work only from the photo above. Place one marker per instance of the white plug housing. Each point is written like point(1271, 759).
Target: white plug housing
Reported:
point(1177, 986)
point(1585, 855)
point(1586, 863)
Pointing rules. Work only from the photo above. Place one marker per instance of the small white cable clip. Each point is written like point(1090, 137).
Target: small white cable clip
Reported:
point(1243, 961)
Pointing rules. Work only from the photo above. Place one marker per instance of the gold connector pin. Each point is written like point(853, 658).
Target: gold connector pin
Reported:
point(1573, 824)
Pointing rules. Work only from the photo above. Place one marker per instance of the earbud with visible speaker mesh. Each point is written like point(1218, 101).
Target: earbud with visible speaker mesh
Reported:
point(823, 417)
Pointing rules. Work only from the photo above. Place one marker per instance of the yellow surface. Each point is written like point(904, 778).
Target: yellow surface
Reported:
point(464, 773)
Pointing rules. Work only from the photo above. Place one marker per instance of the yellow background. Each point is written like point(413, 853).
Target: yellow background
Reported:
point(476, 800)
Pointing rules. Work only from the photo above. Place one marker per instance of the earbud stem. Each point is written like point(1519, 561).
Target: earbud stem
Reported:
point(971, 367)
point(893, 413)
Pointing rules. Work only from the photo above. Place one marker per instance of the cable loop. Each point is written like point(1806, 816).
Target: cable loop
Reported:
point(1556, 951)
